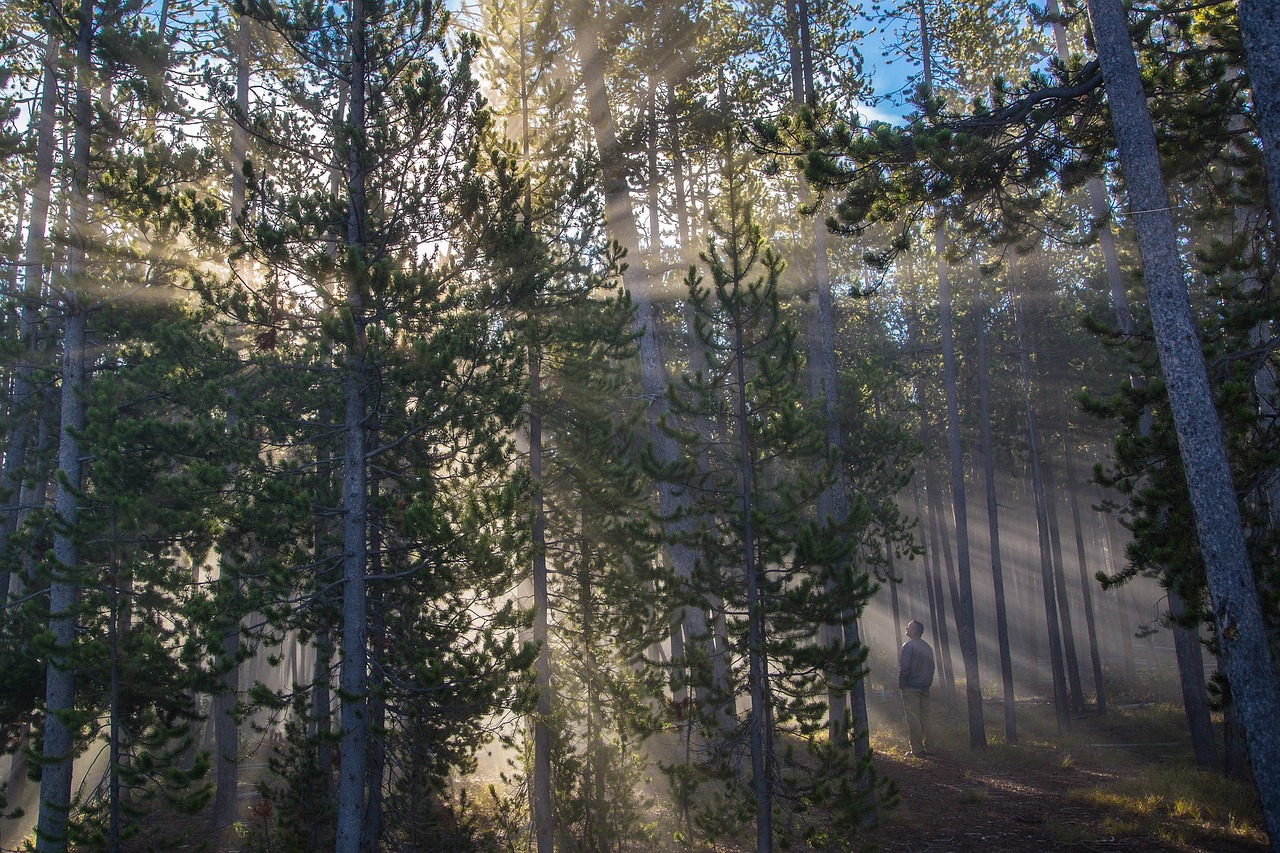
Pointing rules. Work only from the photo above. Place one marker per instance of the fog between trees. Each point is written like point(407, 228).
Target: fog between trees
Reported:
point(594, 391)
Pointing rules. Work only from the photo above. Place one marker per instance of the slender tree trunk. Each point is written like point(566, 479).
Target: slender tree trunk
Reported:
point(1074, 683)
point(621, 222)
point(757, 663)
point(1241, 629)
point(595, 802)
point(1191, 678)
point(941, 553)
point(227, 752)
point(965, 626)
point(23, 391)
point(353, 674)
point(993, 519)
point(543, 808)
point(1086, 582)
point(64, 587)
point(375, 770)
point(1042, 526)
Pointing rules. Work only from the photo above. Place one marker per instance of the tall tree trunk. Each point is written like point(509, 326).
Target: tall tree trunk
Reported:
point(966, 629)
point(353, 674)
point(993, 521)
point(226, 732)
point(1237, 613)
point(1058, 673)
point(375, 769)
point(64, 587)
point(621, 222)
point(543, 808)
point(1086, 582)
point(759, 725)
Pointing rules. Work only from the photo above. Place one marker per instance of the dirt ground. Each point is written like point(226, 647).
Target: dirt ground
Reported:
point(950, 804)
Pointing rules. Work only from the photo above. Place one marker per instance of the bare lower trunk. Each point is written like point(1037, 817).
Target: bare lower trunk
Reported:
point(64, 589)
point(940, 553)
point(1186, 644)
point(1086, 581)
point(543, 807)
point(1066, 624)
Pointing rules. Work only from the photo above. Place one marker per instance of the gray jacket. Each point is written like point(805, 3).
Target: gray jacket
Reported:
point(915, 665)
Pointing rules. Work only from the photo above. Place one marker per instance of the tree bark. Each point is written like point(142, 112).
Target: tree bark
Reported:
point(1260, 29)
point(226, 733)
point(1237, 614)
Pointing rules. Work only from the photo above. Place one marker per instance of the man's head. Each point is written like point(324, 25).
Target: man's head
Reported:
point(915, 628)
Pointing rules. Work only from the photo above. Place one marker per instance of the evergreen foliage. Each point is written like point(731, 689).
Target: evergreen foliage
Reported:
point(766, 564)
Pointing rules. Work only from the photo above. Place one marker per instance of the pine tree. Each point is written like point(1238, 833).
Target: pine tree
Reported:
point(778, 569)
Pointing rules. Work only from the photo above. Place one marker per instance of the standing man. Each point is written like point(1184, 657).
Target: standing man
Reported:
point(915, 677)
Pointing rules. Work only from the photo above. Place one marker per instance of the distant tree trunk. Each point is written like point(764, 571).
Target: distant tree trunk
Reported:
point(1086, 581)
point(1115, 552)
point(1028, 563)
point(1238, 618)
point(941, 553)
point(1042, 526)
point(23, 389)
point(953, 590)
point(1076, 695)
point(993, 521)
point(1191, 679)
point(963, 598)
point(833, 503)
point(321, 723)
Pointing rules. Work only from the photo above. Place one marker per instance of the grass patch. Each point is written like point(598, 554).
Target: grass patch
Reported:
point(1178, 804)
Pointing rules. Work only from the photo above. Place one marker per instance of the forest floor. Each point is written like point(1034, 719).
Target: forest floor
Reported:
point(1122, 782)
